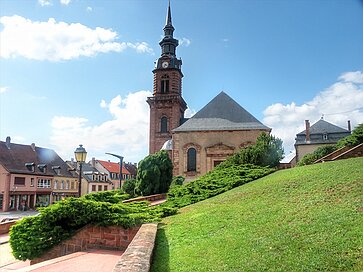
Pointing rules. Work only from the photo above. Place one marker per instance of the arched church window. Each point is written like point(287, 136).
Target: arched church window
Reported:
point(164, 84)
point(164, 124)
point(191, 159)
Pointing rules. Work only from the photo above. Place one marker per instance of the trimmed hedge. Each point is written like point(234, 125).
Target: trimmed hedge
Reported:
point(113, 196)
point(221, 179)
point(33, 236)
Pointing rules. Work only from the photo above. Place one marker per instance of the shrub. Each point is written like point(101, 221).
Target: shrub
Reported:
point(354, 139)
point(317, 154)
point(129, 187)
point(112, 196)
point(267, 151)
point(32, 236)
point(154, 174)
point(177, 181)
point(219, 180)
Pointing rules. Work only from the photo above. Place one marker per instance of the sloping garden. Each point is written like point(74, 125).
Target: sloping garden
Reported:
point(307, 218)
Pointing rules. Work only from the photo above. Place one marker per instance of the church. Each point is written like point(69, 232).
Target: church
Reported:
point(197, 144)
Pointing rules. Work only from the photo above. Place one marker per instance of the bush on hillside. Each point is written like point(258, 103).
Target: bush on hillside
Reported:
point(154, 174)
point(33, 236)
point(219, 180)
point(112, 196)
point(316, 155)
point(129, 187)
point(354, 139)
point(177, 181)
point(267, 151)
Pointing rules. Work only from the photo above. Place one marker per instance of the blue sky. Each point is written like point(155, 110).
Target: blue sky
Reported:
point(75, 71)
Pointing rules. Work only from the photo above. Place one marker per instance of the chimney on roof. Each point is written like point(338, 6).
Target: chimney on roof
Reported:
point(349, 127)
point(93, 162)
point(8, 139)
point(307, 127)
point(33, 146)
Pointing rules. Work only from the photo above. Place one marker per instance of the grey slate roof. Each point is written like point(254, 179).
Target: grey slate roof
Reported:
point(14, 157)
point(221, 113)
point(324, 127)
point(318, 130)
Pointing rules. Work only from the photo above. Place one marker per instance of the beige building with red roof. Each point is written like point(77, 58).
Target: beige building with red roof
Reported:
point(112, 169)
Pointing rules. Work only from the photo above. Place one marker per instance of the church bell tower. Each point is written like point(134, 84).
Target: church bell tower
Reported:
point(167, 105)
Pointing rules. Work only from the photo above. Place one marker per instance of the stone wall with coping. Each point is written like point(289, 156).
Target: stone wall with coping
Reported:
point(111, 237)
point(138, 255)
point(5, 226)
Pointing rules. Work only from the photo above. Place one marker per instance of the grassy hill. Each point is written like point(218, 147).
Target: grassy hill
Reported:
point(303, 219)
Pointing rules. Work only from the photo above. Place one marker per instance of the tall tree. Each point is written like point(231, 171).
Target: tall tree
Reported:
point(154, 174)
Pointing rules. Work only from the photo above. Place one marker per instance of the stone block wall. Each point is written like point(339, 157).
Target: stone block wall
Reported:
point(111, 237)
point(5, 227)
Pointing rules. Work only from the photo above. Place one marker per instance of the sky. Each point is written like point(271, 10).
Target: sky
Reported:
point(79, 72)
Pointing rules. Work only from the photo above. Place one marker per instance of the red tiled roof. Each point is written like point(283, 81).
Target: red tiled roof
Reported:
point(114, 167)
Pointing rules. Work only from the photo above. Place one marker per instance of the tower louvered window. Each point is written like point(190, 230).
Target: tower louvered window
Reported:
point(164, 84)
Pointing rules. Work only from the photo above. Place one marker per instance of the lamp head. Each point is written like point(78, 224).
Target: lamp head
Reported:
point(80, 154)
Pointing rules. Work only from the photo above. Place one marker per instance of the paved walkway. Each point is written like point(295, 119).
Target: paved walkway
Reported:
point(95, 260)
point(4, 238)
point(16, 214)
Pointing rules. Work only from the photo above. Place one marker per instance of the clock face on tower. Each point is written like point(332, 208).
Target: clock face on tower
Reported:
point(165, 64)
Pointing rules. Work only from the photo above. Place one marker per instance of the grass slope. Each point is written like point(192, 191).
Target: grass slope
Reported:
point(302, 219)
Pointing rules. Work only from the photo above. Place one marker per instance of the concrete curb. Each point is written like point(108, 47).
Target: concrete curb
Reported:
point(138, 255)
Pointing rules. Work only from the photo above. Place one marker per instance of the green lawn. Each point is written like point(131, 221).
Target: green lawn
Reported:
point(303, 219)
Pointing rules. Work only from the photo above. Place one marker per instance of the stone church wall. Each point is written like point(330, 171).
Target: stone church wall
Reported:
point(212, 148)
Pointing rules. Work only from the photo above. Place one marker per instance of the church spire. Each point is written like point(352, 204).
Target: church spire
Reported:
point(168, 16)
point(168, 43)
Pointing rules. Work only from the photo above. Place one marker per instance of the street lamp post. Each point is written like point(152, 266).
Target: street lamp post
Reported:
point(121, 158)
point(80, 154)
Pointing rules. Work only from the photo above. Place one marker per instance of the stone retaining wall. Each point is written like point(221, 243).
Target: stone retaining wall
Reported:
point(138, 255)
point(147, 198)
point(112, 237)
point(5, 227)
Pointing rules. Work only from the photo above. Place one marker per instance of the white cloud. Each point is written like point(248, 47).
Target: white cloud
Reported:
point(55, 41)
point(225, 40)
point(89, 9)
point(65, 2)
point(4, 89)
point(125, 134)
point(44, 3)
point(354, 77)
point(189, 113)
point(184, 41)
point(142, 47)
point(339, 103)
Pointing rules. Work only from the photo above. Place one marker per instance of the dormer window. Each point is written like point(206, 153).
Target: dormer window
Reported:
point(42, 167)
point(56, 169)
point(325, 136)
point(30, 166)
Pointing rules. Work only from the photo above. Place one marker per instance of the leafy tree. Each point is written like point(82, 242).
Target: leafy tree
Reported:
point(129, 187)
point(354, 139)
point(267, 151)
point(154, 174)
